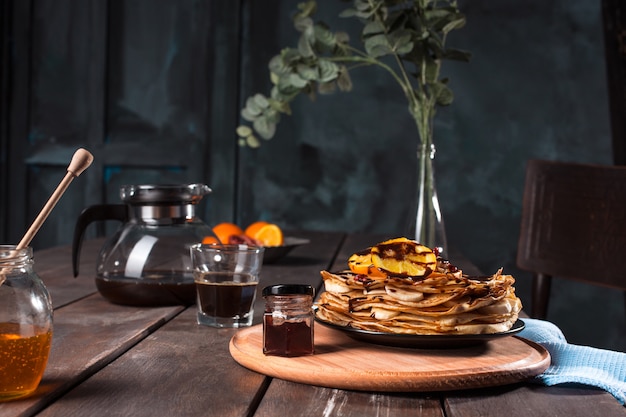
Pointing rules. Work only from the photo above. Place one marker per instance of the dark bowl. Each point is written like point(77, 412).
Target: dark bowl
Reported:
point(274, 253)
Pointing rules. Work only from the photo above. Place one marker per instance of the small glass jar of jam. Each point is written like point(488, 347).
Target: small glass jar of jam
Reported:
point(288, 320)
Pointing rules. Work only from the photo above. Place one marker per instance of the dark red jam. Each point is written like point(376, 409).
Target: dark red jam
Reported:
point(288, 338)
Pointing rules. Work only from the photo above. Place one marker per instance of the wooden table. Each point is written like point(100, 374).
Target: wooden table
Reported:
point(111, 360)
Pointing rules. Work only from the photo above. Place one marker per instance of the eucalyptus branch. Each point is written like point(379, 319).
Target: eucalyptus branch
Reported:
point(367, 60)
point(408, 32)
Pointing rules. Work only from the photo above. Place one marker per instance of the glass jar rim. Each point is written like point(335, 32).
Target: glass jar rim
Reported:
point(12, 249)
point(227, 248)
point(9, 254)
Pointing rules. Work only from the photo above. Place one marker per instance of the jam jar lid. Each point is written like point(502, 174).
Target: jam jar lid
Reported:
point(288, 289)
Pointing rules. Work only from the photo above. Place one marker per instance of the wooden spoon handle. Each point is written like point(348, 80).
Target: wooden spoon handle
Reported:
point(80, 161)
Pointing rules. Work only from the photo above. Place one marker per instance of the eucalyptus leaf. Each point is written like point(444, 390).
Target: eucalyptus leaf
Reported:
point(311, 91)
point(304, 46)
point(274, 78)
point(309, 32)
point(286, 87)
point(348, 13)
point(302, 24)
point(438, 17)
point(277, 65)
point(307, 72)
point(455, 24)
point(377, 46)
point(328, 70)
point(246, 115)
point(252, 107)
point(307, 8)
point(457, 55)
point(264, 128)
point(342, 37)
point(400, 36)
point(261, 101)
point(362, 6)
point(404, 48)
point(280, 106)
point(272, 115)
point(327, 88)
point(401, 41)
point(297, 81)
point(365, 15)
point(324, 37)
point(443, 94)
point(243, 131)
point(290, 56)
point(344, 82)
point(252, 141)
point(373, 28)
point(436, 46)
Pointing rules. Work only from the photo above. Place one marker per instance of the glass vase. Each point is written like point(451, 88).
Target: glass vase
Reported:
point(429, 227)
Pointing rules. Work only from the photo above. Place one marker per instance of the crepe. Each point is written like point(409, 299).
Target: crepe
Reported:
point(441, 301)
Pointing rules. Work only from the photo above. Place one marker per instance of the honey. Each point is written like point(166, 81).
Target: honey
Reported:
point(25, 324)
point(23, 360)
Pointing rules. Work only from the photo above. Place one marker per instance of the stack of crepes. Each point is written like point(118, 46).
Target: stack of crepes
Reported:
point(400, 286)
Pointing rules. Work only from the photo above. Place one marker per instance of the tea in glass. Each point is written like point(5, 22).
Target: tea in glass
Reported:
point(226, 278)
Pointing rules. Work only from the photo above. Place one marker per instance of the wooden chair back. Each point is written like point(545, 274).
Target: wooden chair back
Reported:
point(573, 226)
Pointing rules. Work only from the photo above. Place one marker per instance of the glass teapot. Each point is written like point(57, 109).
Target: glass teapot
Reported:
point(147, 261)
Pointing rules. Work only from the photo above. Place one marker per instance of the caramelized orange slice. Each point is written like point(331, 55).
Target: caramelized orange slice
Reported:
point(402, 256)
point(361, 263)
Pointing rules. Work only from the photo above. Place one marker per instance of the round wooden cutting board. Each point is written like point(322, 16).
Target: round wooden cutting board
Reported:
point(341, 362)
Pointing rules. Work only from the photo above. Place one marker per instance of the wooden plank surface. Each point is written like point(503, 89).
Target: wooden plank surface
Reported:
point(88, 335)
point(182, 370)
point(284, 398)
point(54, 267)
point(530, 400)
point(186, 369)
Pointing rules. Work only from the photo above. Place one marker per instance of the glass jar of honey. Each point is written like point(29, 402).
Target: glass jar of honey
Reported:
point(288, 320)
point(25, 323)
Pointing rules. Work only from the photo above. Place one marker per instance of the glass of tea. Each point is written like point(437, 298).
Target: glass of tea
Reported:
point(226, 278)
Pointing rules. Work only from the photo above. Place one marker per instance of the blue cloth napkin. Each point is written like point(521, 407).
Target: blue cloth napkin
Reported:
point(576, 364)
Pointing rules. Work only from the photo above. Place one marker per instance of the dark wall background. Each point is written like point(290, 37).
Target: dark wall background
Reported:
point(153, 89)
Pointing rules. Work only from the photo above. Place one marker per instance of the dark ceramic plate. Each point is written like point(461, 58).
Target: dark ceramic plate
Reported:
point(422, 341)
point(274, 253)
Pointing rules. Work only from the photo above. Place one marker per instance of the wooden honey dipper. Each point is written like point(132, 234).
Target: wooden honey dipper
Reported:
point(80, 161)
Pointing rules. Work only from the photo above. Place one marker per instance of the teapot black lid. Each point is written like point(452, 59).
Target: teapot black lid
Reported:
point(163, 193)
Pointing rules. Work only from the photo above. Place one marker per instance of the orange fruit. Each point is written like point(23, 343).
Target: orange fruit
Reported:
point(254, 228)
point(210, 240)
point(403, 256)
point(225, 230)
point(361, 263)
point(268, 234)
